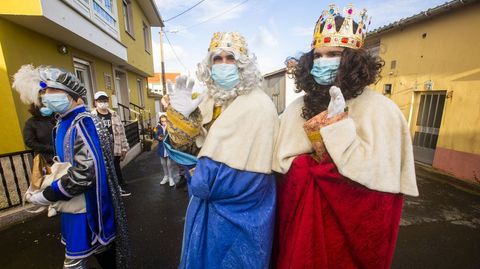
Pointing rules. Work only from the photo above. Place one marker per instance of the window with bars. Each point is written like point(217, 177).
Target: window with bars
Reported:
point(429, 119)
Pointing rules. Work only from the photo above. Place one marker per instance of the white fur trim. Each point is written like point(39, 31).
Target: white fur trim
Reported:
point(372, 147)
point(243, 136)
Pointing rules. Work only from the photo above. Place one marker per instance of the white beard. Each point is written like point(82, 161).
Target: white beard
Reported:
point(222, 96)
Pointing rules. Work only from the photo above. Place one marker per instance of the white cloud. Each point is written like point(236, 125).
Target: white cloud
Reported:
point(302, 31)
point(168, 54)
point(211, 8)
point(267, 36)
point(170, 5)
point(386, 12)
point(203, 11)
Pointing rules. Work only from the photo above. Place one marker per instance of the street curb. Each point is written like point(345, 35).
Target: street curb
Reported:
point(16, 215)
point(428, 172)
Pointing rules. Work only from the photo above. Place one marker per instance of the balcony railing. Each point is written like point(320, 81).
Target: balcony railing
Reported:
point(137, 122)
point(15, 172)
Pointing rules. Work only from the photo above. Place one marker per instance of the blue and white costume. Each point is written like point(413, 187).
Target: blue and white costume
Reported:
point(78, 143)
point(231, 214)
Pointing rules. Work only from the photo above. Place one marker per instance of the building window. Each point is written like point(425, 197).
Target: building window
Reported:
point(387, 89)
point(393, 65)
point(141, 96)
point(83, 71)
point(102, 13)
point(147, 38)
point(104, 9)
point(127, 16)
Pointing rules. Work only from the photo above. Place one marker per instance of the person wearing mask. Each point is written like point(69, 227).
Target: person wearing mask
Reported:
point(231, 131)
point(344, 156)
point(112, 122)
point(98, 226)
point(37, 132)
point(159, 135)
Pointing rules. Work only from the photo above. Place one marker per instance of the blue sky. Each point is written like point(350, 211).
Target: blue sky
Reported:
point(273, 29)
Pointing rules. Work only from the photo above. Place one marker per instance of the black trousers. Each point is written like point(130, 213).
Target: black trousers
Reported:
point(118, 170)
point(106, 259)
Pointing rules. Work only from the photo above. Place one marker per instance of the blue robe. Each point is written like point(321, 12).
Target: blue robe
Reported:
point(83, 233)
point(161, 151)
point(230, 218)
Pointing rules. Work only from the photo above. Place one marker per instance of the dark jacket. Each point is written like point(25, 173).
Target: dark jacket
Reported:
point(159, 135)
point(37, 135)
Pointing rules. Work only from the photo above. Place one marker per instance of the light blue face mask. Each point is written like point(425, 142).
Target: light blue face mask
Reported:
point(46, 111)
point(324, 70)
point(225, 75)
point(57, 102)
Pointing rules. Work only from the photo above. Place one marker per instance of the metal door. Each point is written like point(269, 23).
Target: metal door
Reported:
point(429, 118)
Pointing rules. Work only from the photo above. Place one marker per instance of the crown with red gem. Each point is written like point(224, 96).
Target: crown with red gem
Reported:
point(345, 37)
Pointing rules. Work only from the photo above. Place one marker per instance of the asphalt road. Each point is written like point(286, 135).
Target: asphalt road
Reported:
point(440, 229)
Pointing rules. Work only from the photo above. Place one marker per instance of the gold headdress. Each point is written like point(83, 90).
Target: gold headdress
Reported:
point(228, 40)
point(345, 37)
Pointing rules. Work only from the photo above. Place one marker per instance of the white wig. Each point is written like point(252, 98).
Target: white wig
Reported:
point(250, 76)
point(27, 83)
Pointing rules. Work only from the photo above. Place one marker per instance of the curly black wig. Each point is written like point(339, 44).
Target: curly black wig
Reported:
point(357, 69)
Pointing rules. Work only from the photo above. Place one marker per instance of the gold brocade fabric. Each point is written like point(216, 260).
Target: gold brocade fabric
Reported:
point(183, 131)
point(312, 129)
point(217, 110)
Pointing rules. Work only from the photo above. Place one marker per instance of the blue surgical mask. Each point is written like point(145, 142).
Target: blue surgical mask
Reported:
point(324, 70)
point(46, 111)
point(225, 75)
point(57, 102)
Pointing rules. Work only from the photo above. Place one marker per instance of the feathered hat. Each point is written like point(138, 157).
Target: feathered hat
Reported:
point(27, 83)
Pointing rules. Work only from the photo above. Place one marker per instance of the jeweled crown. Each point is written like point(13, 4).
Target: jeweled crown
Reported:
point(345, 37)
point(228, 40)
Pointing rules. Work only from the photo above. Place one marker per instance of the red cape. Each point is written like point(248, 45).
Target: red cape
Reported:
point(325, 220)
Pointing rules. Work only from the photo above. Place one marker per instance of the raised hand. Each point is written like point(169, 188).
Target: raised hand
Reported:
point(180, 96)
point(337, 102)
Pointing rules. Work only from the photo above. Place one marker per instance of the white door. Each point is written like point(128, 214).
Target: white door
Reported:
point(117, 90)
point(121, 92)
point(84, 74)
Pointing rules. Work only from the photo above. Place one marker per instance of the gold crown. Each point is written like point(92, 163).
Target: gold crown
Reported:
point(228, 40)
point(345, 37)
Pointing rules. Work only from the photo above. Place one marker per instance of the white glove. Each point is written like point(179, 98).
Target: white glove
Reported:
point(337, 102)
point(181, 96)
point(38, 199)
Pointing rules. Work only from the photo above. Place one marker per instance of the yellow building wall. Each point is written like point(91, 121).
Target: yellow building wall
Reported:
point(21, 7)
point(449, 57)
point(443, 50)
point(99, 69)
point(137, 55)
point(10, 134)
point(21, 46)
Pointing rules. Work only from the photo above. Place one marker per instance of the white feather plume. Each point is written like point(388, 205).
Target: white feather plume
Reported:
point(27, 83)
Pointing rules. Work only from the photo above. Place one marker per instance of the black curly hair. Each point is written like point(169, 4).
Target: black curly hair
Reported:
point(357, 69)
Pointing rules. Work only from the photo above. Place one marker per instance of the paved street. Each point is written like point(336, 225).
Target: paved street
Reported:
point(440, 229)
